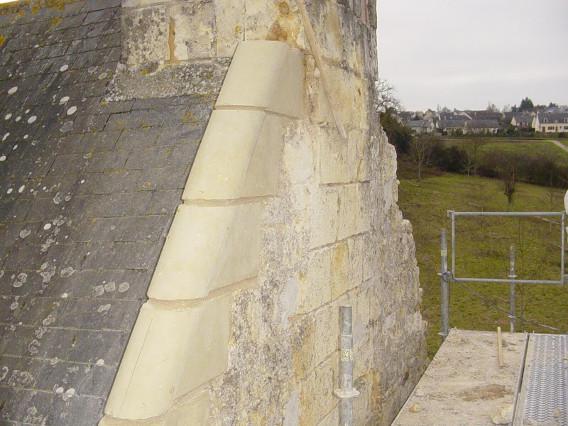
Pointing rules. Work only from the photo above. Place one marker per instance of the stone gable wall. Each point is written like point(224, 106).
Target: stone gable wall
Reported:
point(262, 320)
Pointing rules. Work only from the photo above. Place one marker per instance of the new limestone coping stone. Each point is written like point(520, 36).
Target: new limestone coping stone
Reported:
point(266, 75)
point(181, 337)
point(208, 247)
point(171, 351)
point(237, 157)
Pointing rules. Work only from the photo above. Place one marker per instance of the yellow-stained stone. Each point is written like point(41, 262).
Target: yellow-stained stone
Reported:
point(324, 217)
point(237, 157)
point(208, 247)
point(170, 352)
point(266, 75)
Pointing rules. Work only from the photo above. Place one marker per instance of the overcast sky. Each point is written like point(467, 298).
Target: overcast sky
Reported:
point(465, 53)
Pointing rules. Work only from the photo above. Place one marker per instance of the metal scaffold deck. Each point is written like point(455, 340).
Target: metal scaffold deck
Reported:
point(467, 384)
point(543, 398)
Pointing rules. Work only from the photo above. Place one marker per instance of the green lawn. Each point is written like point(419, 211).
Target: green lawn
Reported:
point(483, 251)
point(524, 147)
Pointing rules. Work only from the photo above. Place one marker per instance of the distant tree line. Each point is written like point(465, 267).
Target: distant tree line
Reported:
point(429, 151)
point(536, 170)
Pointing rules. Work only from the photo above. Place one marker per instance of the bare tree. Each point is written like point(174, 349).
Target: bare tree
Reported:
point(507, 165)
point(472, 150)
point(510, 181)
point(386, 99)
point(421, 148)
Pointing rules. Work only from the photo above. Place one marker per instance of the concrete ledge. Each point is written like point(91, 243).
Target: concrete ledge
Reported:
point(266, 75)
point(237, 157)
point(208, 247)
point(171, 351)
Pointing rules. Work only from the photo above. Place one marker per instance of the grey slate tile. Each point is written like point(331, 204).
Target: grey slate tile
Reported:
point(107, 180)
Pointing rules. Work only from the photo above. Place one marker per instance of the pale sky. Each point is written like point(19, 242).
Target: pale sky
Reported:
point(465, 53)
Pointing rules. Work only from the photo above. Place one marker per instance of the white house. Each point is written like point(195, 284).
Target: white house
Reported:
point(551, 122)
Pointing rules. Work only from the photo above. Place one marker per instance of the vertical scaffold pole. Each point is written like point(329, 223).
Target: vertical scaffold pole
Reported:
point(512, 289)
point(562, 247)
point(444, 287)
point(346, 392)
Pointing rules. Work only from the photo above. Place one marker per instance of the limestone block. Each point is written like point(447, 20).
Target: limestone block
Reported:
point(170, 352)
point(356, 247)
point(370, 256)
point(349, 97)
point(239, 156)
point(353, 40)
point(333, 156)
point(343, 160)
point(230, 25)
point(315, 339)
point(340, 268)
point(192, 26)
point(353, 219)
point(324, 216)
point(326, 21)
point(316, 392)
point(299, 158)
point(315, 287)
point(327, 332)
point(359, 155)
point(266, 75)
point(192, 410)
point(208, 247)
point(145, 35)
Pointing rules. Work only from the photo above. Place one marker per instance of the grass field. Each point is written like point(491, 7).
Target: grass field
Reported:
point(482, 250)
point(524, 147)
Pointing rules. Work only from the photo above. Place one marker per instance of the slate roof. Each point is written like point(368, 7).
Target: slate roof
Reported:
point(451, 124)
point(419, 124)
point(88, 189)
point(482, 124)
point(553, 117)
point(485, 115)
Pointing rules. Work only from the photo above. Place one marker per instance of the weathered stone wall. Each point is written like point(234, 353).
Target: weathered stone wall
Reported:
point(329, 233)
